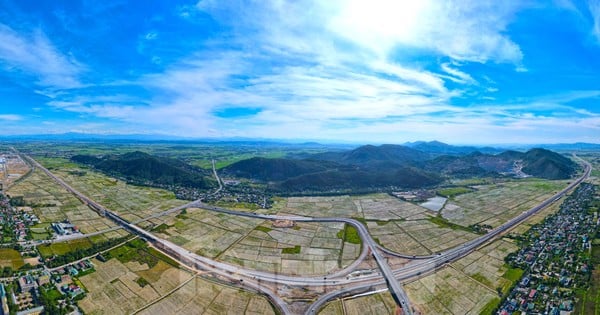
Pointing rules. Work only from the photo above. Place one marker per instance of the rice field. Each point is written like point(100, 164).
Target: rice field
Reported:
point(494, 204)
point(129, 283)
point(200, 296)
point(305, 249)
point(368, 207)
point(380, 303)
point(52, 203)
point(130, 201)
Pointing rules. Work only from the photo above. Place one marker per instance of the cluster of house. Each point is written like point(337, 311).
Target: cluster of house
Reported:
point(75, 268)
point(6, 212)
point(26, 299)
point(236, 192)
point(554, 258)
point(19, 219)
point(22, 221)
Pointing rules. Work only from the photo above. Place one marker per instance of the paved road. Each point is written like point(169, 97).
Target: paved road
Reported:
point(184, 255)
point(192, 204)
point(422, 267)
point(397, 292)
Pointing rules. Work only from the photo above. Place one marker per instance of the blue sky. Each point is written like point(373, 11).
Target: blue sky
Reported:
point(363, 71)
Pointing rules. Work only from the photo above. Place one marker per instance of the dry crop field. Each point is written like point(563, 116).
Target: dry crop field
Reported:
point(115, 286)
point(52, 203)
point(138, 279)
point(305, 249)
point(369, 207)
point(417, 237)
point(15, 169)
point(200, 296)
point(203, 232)
point(132, 202)
point(466, 286)
point(10, 258)
point(496, 203)
point(381, 303)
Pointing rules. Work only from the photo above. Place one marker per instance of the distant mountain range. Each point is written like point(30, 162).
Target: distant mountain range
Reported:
point(433, 147)
point(436, 147)
point(395, 165)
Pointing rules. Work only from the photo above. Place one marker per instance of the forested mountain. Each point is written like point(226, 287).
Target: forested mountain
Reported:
point(364, 168)
point(395, 165)
point(149, 169)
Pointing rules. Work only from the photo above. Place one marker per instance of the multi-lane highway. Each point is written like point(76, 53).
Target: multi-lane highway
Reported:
point(419, 268)
point(255, 280)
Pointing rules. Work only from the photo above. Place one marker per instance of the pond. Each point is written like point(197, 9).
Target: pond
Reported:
point(434, 204)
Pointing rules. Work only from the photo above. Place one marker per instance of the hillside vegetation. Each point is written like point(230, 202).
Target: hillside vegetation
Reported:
point(148, 169)
point(365, 168)
point(369, 167)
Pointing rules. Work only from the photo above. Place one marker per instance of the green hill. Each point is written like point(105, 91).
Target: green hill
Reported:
point(293, 175)
point(148, 169)
point(277, 169)
point(370, 155)
point(547, 164)
point(536, 162)
point(357, 179)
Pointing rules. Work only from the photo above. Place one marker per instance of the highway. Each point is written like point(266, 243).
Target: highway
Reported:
point(252, 279)
point(205, 263)
point(419, 268)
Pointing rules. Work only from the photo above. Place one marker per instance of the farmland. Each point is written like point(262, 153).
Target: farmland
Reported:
point(52, 203)
point(10, 258)
point(494, 204)
point(62, 248)
point(417, 237)
point(203, 232)
point(14, 171)
point(200, 296)
point(368, 207)
point(449, 291)
point(305, 248)
point(114, 287)
point(398, 225)
point(140, 279)
point(594, 159)
point(381, 303)
point(468, 285)
point(132, 202)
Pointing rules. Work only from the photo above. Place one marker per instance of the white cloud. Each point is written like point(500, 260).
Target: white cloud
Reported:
point(326, 69)
point(35, 55)
point(457, 75)
point(594, 6)
point(463, 30)
point(332, 79)
point(151, 36)
point(10, 117)
point(470, 30)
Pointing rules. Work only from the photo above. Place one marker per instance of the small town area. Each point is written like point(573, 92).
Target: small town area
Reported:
point(557, 258)
point(33, 287)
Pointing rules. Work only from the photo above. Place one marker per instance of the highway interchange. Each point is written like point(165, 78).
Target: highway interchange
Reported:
point(266, 283)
